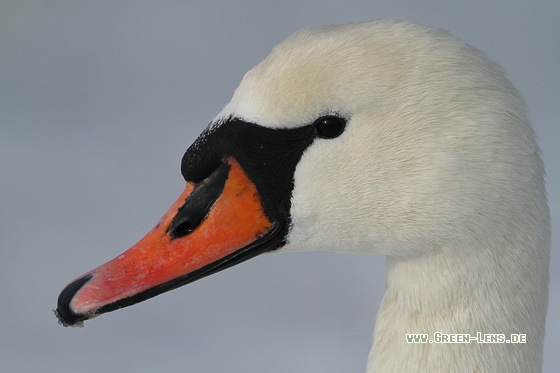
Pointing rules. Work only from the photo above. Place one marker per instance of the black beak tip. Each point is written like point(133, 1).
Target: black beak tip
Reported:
point(65, 315)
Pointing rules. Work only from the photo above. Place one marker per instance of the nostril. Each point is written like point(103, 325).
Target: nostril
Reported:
point(198, 205)
point(183, 229)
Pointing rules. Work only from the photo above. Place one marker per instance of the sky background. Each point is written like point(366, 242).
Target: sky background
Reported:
point(98, 102)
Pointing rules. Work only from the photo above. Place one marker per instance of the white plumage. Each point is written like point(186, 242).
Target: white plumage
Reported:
point(438, 169)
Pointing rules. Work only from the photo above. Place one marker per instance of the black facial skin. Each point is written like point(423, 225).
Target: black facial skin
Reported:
point(268, 156)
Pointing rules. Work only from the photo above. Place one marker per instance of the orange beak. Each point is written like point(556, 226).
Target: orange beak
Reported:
point(213, 225)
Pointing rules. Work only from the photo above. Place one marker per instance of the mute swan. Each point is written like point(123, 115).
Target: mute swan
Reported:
point(384, 137)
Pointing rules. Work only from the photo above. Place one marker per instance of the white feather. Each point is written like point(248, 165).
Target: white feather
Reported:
point(438, 169)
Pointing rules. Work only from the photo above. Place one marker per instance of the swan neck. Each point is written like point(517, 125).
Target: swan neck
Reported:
point(477, 291)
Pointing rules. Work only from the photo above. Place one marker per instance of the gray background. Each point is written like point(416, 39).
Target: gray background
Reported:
point(98, 102)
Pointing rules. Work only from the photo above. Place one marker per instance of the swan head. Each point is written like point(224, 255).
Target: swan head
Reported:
point(436, 148)
point(384, 137)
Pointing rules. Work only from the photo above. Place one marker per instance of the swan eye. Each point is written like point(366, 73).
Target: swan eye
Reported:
point(329, 127)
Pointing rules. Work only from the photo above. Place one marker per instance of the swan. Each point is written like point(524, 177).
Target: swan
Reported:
point(385, 137)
